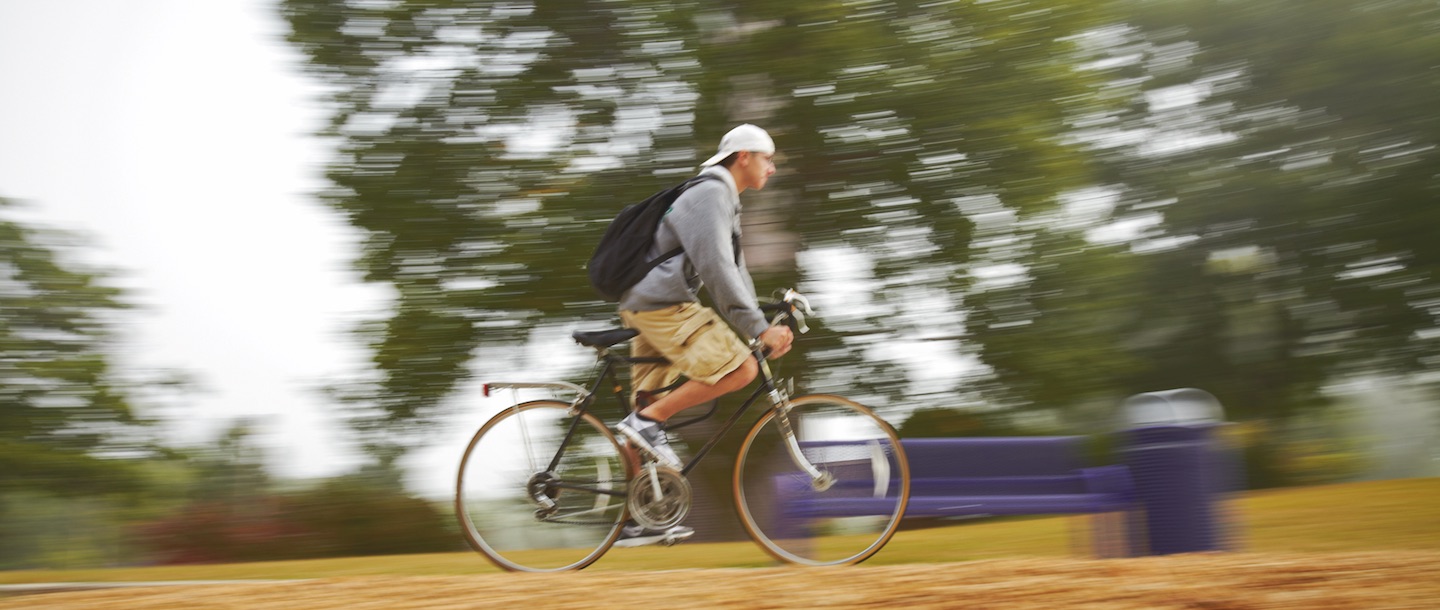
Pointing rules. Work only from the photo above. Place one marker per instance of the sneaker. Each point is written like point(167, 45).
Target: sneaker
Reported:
point(634, 534)
point(649, 437)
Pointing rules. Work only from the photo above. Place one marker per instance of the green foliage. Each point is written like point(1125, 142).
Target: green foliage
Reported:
point(1316, 448)
point(71, 447)
point(1059, 337)
point(954, 423)
point(1278, 159)
point(53, 531)
point(338, 518)
point(62, 412)
point(1311, 250)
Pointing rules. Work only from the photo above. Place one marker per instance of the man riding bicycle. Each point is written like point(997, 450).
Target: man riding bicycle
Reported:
point(664, 307)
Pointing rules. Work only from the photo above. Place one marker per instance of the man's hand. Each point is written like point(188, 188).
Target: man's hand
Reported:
point(777, 339)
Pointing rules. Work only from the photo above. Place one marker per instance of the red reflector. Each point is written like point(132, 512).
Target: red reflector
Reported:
point(485, 390)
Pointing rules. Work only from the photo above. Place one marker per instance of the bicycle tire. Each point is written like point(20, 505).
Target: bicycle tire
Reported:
point(504, 471)
point(843, 524)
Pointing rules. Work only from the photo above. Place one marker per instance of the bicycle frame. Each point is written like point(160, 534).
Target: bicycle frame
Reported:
point(585, 398)
point(792, 310)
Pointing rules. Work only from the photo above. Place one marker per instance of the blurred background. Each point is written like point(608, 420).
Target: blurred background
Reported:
point(256, 257)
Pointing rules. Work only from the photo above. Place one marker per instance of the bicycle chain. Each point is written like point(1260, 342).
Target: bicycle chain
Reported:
point(563, 521)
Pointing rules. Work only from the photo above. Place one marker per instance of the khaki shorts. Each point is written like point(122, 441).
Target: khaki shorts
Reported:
point(696, 340)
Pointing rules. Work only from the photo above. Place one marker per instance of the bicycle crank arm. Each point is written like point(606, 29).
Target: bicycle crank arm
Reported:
point(655, 482)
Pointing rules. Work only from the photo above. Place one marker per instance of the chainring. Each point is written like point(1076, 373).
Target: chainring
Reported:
point(665, 509)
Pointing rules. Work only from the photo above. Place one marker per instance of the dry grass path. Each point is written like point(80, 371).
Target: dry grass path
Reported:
point(1222, 581)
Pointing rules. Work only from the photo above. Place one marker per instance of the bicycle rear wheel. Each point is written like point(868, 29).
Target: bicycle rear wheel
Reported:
point(525, 514)
point(846, 515)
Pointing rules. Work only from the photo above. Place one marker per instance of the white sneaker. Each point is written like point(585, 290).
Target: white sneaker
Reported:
point(649, 437)
point(634, 534)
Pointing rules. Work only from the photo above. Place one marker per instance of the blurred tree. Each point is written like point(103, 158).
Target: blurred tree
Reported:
point(1295, 175)
point(66, 426)
point(939, 422)
point(338, 517)
point(350, 516)
point(1057, 329)
point(65, 421)
point(1341, 176)
point(482, 146)
point(230, 471)
point(1273, 177)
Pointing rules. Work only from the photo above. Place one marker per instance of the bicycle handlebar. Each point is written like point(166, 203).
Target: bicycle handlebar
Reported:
point(792, 307)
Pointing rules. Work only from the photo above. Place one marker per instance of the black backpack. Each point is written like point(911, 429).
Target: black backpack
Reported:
point(619, 261)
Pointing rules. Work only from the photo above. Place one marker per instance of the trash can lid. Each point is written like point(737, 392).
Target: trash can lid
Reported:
point(1179, 406)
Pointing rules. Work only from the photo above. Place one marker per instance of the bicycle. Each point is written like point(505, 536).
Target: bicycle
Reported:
point(545, 485)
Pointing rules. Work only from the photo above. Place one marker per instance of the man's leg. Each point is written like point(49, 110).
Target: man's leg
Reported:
point(693, 392)
point(699, 344)
point(648, 376)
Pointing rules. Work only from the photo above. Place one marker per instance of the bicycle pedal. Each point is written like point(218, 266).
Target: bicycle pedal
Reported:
point(672, 540)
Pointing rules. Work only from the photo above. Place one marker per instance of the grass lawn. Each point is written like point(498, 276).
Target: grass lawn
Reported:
point(1370, 516)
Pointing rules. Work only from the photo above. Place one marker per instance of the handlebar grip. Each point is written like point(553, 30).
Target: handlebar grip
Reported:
point(781, 312)
point(791, 310)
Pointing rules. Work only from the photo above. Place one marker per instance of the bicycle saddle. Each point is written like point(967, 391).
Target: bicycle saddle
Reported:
point(604, 338)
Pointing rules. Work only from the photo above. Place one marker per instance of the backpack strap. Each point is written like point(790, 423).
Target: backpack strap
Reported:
point(678, 250)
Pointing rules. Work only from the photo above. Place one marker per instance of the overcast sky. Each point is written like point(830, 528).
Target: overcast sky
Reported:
point(175, 135)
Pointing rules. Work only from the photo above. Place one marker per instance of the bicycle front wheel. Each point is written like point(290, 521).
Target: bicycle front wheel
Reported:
point(528, 504)
point(835, 495)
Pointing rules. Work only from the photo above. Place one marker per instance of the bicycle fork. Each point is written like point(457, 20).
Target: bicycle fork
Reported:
point(819, 480)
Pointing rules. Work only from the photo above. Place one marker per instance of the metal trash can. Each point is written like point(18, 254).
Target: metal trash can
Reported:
point(1181, 471)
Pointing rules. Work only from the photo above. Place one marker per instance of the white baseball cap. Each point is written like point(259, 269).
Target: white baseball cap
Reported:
point(746, 137)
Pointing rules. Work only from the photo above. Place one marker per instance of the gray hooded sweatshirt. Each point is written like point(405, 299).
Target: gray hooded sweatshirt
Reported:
point(703, 220)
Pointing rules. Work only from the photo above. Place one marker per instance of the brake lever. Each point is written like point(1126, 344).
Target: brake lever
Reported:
point(800, 307)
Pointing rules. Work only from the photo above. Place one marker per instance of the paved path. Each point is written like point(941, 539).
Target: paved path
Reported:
point(59, 587)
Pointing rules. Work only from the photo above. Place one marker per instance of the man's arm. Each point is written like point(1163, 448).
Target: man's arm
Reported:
point(703, 220)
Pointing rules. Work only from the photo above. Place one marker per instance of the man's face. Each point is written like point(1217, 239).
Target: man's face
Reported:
point(756, 168)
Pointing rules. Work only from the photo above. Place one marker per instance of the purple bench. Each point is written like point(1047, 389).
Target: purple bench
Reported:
point(1030, 475)
point(975, 477)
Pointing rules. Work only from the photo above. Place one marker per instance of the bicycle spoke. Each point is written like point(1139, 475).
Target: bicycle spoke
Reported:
point(525, 518)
